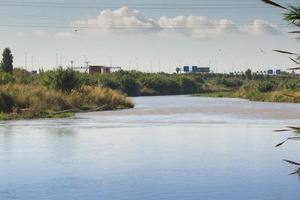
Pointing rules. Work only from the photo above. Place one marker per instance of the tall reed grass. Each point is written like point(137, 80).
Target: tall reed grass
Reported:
point(31, 101)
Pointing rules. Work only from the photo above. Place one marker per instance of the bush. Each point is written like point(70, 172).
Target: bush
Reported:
point(265, 86)
point(7, 102)
point(231, 82)
point(160, 84)
point(22, 76)
point(188, 85)
point(61, 79)
point(6, 78)
point(129, 85)
point(291, 84)
point(107, 81)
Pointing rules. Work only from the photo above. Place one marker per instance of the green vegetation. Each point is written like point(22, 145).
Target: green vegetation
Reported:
point(53, 94)
point(61, 92)
point(284, 88)
point(63, 80)
point(33, 101)
point(7, 61)
point(135, 83)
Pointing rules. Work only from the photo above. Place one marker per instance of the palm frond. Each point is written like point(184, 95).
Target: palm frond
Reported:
point(294, 68)
point(295, 61)
point(292, 162)
point(286, 52)
point(290, 138)
point(274, 4)
point(282, 130)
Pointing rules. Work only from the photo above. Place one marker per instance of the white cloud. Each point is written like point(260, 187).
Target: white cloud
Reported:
point(127, 20)
point(262, 26)
point(197, 26)
point(202, 27)
point(122, 19)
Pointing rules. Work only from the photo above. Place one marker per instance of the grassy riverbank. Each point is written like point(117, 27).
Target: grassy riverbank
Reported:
point(20, 101)
point(253, 92)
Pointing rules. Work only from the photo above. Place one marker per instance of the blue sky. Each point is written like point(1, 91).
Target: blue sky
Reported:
point(227, 35)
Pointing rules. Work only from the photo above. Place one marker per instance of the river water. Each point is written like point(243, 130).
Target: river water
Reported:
point(167, 148)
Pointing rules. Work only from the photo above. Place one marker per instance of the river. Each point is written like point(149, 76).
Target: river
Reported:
point(167, 148)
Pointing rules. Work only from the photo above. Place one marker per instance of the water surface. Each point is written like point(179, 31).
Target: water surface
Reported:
point(170, 148)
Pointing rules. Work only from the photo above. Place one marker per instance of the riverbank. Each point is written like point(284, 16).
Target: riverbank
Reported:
point(280, 96)
point(20, 101)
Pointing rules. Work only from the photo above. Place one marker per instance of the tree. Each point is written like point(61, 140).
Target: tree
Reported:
point(248, 74)
point(7, 61)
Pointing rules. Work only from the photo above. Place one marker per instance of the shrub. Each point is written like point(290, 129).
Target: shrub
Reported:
point(7, 102)
point(231, 82)
point(188, 85)
point(61, 79)
point(6, 78)
point(291, 84)
point(22, 76)
point(129, 85)
point(265, 86)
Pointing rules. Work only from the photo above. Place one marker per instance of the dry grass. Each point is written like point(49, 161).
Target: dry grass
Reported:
point(30, 101)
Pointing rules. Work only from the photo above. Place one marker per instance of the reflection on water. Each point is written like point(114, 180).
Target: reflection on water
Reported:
point(167, 148)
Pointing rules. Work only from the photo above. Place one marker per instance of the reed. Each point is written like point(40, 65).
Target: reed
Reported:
point(19, 101)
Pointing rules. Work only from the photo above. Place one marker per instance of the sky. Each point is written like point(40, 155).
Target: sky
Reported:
point(231, 35)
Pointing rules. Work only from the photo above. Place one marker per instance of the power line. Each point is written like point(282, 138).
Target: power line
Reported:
point(152, 6)
point(53, 26)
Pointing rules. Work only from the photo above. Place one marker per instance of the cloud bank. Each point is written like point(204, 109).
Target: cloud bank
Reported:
point(126, 20)
point(122, 19)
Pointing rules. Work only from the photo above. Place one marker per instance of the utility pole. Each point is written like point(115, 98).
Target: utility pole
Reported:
point(137, 64)
point(26, 61)
point(158, 65)
point(56, 60)
point(129, 65)
point(32, 63)
point(72, 63)
point(87, 66)
point(60, 61)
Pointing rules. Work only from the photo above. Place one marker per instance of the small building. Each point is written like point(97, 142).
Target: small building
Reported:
point(97, 69)
point(93, 69)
